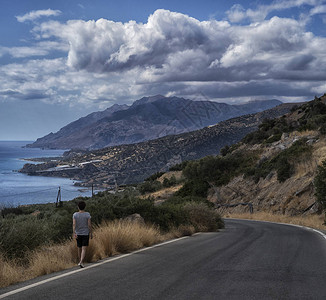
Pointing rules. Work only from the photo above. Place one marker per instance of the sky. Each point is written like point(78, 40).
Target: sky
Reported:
point(63, 59)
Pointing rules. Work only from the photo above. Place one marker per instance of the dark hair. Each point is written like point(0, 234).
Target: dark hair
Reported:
point(81, 205)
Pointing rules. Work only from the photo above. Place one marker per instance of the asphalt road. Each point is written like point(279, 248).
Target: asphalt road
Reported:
point(247, 260)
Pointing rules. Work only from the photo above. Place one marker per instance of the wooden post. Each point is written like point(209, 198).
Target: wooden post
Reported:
point(59, 202)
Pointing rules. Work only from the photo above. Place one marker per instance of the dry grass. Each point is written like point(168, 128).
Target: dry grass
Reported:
point(177, 174)
point(163, 194)
point(9, 272)
point(109, 239)
point(182, 230)
point(121, 237)
point(313, 221)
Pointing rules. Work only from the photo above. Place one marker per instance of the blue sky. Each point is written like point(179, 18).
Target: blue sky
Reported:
point(62, 59)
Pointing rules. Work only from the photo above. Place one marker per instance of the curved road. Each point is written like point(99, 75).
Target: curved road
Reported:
point(247, 260)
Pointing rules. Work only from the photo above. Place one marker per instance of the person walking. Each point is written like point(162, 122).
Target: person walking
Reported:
point(82, 230)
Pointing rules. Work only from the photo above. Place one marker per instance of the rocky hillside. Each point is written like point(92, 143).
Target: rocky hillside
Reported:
point(293, 196)
point(134, 162)
point(272, 169)
point(146, 119)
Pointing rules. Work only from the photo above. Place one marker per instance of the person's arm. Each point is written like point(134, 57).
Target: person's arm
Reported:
point(90, 228)
point(74, 235)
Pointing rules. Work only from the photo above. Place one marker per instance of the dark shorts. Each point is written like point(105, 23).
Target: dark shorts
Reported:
point(82, 240)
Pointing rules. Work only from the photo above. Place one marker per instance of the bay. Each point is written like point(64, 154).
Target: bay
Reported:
point(20, 189)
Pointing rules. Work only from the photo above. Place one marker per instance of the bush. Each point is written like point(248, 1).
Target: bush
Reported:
point(320, 184)
point(11, 210)
point(149, 187)
point(284, 169)
point(225, 150)
point(202, 217)
point(194, 188)
point(169, 182)
point(22, 234)
point(215, 170)
point(179, 167)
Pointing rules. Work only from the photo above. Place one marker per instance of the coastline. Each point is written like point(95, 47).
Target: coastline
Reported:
point(20, 189)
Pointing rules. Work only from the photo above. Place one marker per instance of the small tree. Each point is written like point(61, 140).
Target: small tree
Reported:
point(320, 184)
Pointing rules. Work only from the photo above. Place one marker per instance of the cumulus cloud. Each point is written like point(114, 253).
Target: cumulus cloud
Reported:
point(175, 47)
point(36, 14)
point(171, 54)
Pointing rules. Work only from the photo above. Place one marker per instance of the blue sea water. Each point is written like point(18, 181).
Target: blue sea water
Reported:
point(19, 189)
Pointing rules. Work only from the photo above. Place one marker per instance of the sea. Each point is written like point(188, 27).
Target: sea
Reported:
point(21, 189)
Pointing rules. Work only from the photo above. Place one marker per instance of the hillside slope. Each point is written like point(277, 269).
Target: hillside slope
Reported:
point(273, 168)
point(134, 162)
point(146, 119)
point(294, 196)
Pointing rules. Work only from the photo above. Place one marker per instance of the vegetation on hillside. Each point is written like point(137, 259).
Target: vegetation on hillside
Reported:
point(241, 159)
point(27, 228)
point(309, 116)
point(283, 163)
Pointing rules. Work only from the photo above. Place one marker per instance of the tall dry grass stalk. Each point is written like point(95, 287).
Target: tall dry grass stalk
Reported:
point(313, 221)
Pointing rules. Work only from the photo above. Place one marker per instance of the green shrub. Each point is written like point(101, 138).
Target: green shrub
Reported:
point(11, 210)
point(169, 182)
point(202, 217)
point(225, 150)
point(217, 170)
point(320, 184)
point(179, 167)
point(166, 216)
point(149, 186)
point(196, 188)
point(284, 169)
point(21, 234)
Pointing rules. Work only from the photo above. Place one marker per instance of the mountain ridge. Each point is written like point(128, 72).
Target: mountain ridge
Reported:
point(146, 119)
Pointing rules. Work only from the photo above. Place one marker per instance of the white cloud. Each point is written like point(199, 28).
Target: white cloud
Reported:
point(238, 14)
point(321, 9)
point(170, 54)
point(42, 48)
point(36, 14)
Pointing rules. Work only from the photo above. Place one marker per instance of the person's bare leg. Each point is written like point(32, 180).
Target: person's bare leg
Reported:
point(83, 254)
point(79, 253)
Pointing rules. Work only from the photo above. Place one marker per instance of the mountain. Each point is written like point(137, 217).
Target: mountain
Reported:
point(146, 119)
point(73, 132)
point(134, 162)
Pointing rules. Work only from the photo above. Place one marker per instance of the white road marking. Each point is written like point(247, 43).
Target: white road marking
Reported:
point(108, 260)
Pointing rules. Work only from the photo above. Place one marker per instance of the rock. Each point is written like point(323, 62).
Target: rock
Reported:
point(135, 218)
